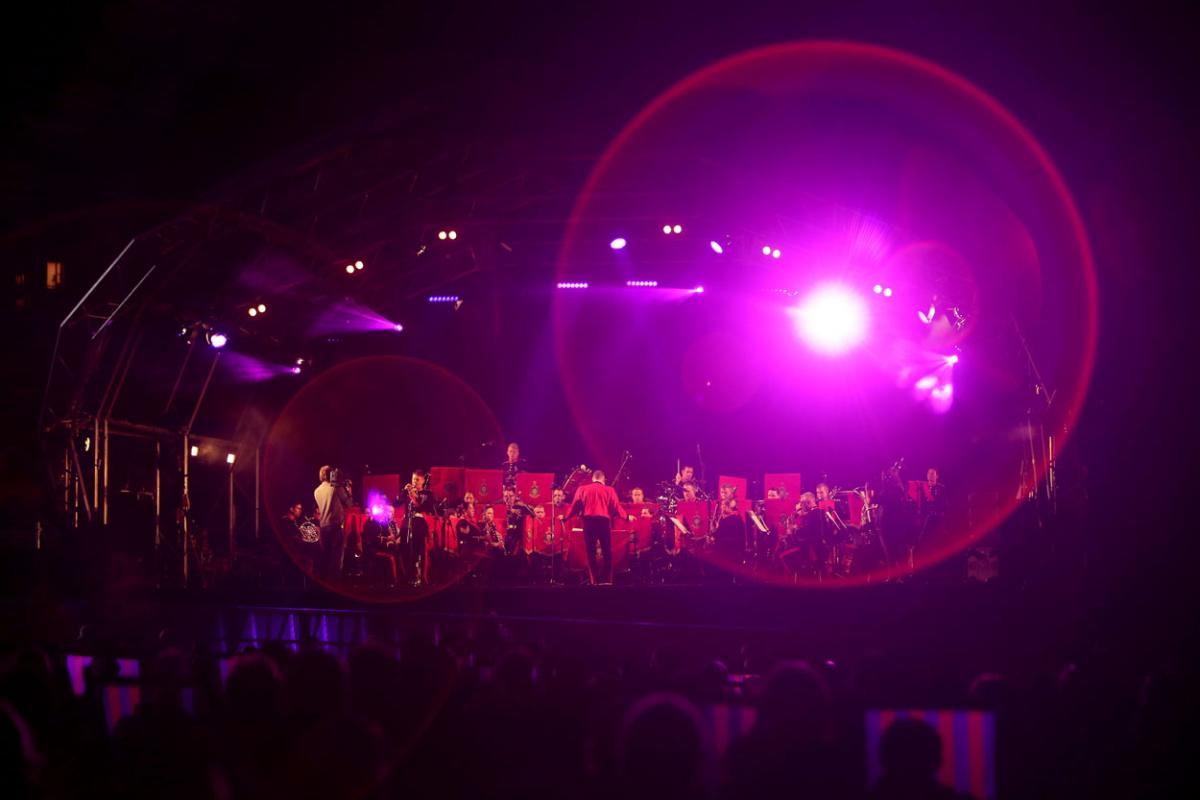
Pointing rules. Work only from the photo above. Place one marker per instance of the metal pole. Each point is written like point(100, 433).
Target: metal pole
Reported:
point(104, 490)
point(257, 493)
point(96, 464)
point(79, 494)
point(157, 496)
point(184, 503)
point(231, 518)
point(67, 481)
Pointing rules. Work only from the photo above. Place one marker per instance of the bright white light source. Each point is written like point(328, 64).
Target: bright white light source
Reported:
point(831, 319)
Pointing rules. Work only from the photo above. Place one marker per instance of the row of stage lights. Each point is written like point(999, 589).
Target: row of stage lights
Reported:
point(230, 458)
point(620, 242)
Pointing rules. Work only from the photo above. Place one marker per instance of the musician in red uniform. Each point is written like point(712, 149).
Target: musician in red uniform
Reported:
point(598, 505)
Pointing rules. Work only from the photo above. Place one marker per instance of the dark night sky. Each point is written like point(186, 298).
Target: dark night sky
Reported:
point(142, 101)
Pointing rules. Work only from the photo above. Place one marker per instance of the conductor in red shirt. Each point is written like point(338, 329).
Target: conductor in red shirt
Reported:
point(598, 505)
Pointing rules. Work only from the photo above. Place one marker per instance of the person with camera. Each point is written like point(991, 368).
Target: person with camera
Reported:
point(333, 498)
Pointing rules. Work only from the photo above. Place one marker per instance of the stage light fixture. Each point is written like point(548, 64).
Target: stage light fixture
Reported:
point(398, 327)
point(716, 247)
point(642, 284)
point(296, 370)
point(877, 288)
point(195, 451)
point(217, 340)
point(926, 383)
point(443, 298)
point(252, 311)
point(358, 265)
point(887, 292)
point(572, 285)
point(766, 250)
point(667, 229)
point(442, 235)
point(349, 269)
point(952, 360)
point(262, 308)
point(453, 235)
point(677, 229)
point(618, 243)
point(230, 458)
point(698, 290)
point(776, 253)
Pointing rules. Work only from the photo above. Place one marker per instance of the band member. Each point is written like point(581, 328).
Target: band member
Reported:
point(638, 495)
point(730, 533)
point(333, 498)
point(419, 507)
point(933, 507)
point(689, 491)
point(294, 538)
point(516, 522)
point(492, 537)
point(773, 493)
point(598, 505)
point(824, 497)
point(686, 475)
point(513, 463)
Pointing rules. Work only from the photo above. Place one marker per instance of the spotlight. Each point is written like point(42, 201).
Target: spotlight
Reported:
point(766, 251)
point(195, 451)
point(262, 308)
point(572, 285)
point(667, 229)
point(218, 340)
point(358, 265)
point(252, 311)
point(299, 362)
point(877, 288)
point(442, 235)
point(677, 229)
point(887, 292)
point(927, 318)
point(296, 370)
point(376, 510)
point(618, 243)
point(716, 247)
point(453, 235)
point(698, 290)
point(398, 327)
point(775, 253)
point(926, 383)
point(952, 359)
point(832, 319)
point(349, 269)
point(230, 458)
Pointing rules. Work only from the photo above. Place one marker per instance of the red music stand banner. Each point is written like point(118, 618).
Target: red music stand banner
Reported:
point(486, 484)
point(376, 488)
point(535, 487)
point(787, 483)
point(694, 514)
point(446, 483)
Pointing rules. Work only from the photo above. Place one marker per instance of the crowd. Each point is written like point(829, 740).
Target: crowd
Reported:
point(482, 713)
